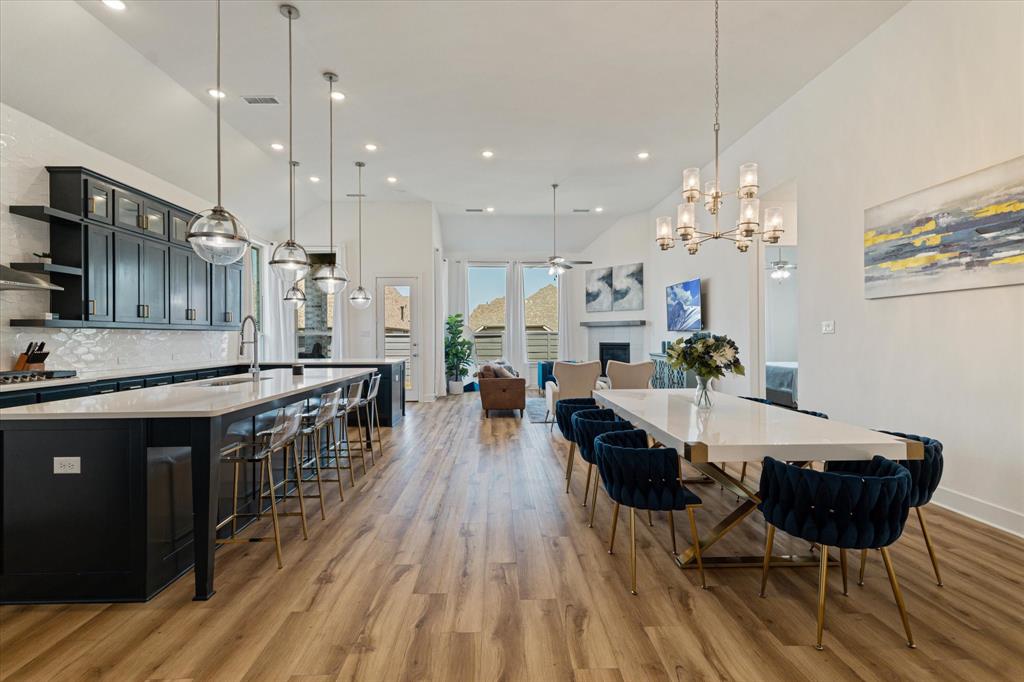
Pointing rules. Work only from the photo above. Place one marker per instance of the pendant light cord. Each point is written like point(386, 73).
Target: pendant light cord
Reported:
point(554, 220)
point(717, 126)
point(218, 98)
point(291, 148)
point(360, 204)
point(330, 173)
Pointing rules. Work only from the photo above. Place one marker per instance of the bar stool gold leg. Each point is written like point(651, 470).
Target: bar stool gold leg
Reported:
point(928, 543)
point(842, 568)
point(672, 531)
point(273, 512)
point(298, 489)
point(586, 486)
point(376, 417)
point(359, 424)
point(332, 437)
point(632, 549)
point(234, 500)
point(767, 558)
point(696, 547)
point(898, 595)
point(348, 453)
point(863, 565)
point(259, 504)
point(822, 589)
point(593, 500)
point(316, 462)
point(615, 522)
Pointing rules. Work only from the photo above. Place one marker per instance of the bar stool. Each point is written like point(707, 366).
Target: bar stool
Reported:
point(288, 447)
point(281, 435)
point(316, 425)
point(341, 444)
point(369, 403)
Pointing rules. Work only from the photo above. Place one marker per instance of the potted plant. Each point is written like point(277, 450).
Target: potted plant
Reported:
point(709, 356)
point(458, 354)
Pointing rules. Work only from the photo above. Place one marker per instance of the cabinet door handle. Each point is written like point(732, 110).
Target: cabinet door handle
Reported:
point(147, 310)
point(140, 310)
point(91, 205)
point(92, 306)
point(140, 221)
point(227, 316)
point(109, 390)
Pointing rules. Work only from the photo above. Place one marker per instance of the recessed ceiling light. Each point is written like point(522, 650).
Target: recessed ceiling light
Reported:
point(219, 94)
point(276, 146)
point(335, 95)
point(313, 178)
point(392, 179)
point(114, 4)
point(371, 147)
point(489, 209)
point(487, 154)
point(643, 156)
point(599, 209)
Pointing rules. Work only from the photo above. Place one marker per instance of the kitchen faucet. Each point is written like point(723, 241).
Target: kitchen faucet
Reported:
point(254, 367)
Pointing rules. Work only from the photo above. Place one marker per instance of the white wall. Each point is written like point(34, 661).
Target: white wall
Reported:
point(935, 93)
point(24, 180)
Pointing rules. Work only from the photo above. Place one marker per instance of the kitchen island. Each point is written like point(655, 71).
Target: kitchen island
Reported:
point(111, 497)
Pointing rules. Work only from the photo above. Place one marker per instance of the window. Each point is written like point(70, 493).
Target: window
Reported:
point(540, 294)
point(256, 283)
point(314, 321)
point(486, 324)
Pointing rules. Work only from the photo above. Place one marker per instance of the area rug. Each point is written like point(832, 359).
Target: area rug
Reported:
point(536, 408)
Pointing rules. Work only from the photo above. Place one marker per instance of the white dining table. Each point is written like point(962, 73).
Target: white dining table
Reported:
point(735, 430)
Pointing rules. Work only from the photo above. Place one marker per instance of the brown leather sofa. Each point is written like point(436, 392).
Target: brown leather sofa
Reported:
point(500, 392)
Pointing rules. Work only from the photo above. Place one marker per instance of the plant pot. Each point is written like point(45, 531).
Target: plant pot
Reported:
point(704, 395)
point(455, 387)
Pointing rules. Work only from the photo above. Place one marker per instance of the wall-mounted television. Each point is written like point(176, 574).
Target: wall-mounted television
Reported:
point(682, 302)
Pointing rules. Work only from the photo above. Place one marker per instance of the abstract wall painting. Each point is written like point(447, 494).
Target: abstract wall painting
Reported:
point(967, 233)
point(628, 287)
point(599, 290)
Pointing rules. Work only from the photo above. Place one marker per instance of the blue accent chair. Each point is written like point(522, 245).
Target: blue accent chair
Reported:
point(847, 511)
point(925, 475)
point(564, 410)
point(544, 373)
point(587, 425)
point(641, 477)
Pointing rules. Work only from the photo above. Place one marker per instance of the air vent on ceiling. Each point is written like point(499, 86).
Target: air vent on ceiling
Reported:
point(260, 99)
point(581, 210)
point(355, 196)
point(474, 210)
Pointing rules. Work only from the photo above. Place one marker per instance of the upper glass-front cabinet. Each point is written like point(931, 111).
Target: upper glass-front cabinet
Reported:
point(99, 200)
point(128, 210)
point(155, 218)
point(179, 226)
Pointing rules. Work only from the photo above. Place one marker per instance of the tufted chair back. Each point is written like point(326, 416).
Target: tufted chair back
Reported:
point(849, 511)
point(638, 476)
point(587, 425)
point(564, 410)
point(819, 415)
point(925, 474)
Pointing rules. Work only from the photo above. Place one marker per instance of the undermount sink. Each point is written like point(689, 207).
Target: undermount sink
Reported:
point(231, 381)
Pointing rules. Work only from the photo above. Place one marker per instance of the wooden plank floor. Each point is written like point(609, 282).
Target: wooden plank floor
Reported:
point(460, 557)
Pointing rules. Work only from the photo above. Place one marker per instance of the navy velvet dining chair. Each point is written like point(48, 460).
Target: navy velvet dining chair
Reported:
point(641, 477)
point(587, 425)
point(866, 510)
point(925, 475)
point(564, 410)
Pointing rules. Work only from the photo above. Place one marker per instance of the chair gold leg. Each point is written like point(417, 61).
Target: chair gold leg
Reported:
point(273, 511)
point(822, 589)
point(898, 595)
point(696, 548)
point(376, 417)
point(632, 549)
point(586, 486)
point(369, 428)
point(743, 472)
point(863, 565)
point(769, 542)
point(259, 504)
point(928, 543)
point(298, 490)
point(615, 523)
point(234, 500)
point(332, 437)
point(568, 466)
point(672, 532)
point(348, 450)
point(842, 568)
point(593, 500)
point(650, 519)
point(359, 433)
point(316, 465)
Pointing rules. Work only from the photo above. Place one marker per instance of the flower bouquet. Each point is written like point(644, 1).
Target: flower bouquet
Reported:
point(709, 356)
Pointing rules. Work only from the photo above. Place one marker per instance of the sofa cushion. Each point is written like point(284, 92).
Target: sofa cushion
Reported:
point(502, 372)
point(485, 372)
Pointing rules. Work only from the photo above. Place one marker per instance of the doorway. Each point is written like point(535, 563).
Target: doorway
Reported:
point(398, 333)
point(781, 324)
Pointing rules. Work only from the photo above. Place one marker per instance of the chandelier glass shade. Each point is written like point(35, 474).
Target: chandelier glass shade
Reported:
point(360, 298)
point(295, 296)
point(290, 262)
point(331, 279)
point(748, 225)
point(217, 235)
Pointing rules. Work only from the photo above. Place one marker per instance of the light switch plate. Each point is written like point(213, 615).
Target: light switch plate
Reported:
point(67, 465)
point(828, 327)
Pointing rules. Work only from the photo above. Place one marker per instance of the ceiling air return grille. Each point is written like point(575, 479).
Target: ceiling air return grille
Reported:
point(474, 210)
point(260, 99)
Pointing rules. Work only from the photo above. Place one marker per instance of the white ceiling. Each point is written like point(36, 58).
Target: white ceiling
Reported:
point(561, 91)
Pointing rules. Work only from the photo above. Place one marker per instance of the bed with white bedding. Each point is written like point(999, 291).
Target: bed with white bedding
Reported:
point(781, 381)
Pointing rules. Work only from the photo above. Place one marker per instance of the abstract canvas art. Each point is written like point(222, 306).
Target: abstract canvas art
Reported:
point(599, 290)
point(628, 287)
point(963, 234)
point(682, 302)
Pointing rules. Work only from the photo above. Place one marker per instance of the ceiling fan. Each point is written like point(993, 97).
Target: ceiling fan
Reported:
point(780, 268)
point(558, 264)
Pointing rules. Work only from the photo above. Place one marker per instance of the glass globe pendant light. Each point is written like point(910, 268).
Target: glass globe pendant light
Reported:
point(331, 278)
point(290, 262)
point(216, 235)
point(295, 296)
point(360, 298)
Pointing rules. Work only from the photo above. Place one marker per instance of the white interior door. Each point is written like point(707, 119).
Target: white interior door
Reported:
point(398, 333)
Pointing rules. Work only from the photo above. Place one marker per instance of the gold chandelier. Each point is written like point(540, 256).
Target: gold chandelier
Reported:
point(747, 225)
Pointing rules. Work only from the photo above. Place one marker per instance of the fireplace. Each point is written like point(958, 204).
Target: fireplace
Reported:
point(612, 351)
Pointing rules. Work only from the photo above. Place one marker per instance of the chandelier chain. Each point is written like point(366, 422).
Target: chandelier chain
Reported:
point(716, 65)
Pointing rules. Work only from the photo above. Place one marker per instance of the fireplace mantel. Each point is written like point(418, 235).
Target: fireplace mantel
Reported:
point(614, 323)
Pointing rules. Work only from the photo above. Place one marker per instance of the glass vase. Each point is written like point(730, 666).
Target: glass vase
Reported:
point(703, 397)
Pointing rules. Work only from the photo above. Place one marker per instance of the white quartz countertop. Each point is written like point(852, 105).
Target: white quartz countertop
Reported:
point(125, 372)
point(738, 430)
point(191, 399)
